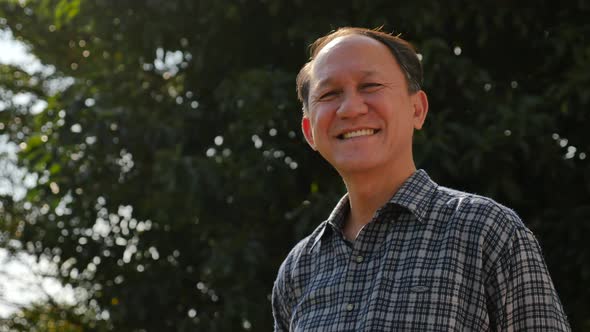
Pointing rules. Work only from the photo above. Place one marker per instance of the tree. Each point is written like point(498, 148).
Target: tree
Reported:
point(52, 317)
point(170, 176)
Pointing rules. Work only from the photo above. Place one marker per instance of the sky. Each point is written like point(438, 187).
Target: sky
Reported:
point(20, 283)
point(14, 52)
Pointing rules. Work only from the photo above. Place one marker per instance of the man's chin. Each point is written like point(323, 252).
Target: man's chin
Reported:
point(355, 165)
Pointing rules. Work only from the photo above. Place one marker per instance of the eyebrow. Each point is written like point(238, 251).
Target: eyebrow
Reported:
point(327, 81)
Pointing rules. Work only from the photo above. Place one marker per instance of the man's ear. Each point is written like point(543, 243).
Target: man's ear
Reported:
point(307, 131)
point(420, 104)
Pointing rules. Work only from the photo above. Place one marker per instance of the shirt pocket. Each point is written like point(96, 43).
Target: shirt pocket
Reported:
point(419, 302)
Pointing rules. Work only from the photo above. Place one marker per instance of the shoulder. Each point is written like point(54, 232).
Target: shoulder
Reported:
point(300, 251)
point(476, 209)
point(490, 223)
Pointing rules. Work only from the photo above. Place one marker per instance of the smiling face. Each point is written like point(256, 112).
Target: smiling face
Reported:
point(361, 116)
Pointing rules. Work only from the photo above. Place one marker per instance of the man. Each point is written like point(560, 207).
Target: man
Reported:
point(399, 252)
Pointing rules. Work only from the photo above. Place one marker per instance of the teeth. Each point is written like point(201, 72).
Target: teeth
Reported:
point(357, 133)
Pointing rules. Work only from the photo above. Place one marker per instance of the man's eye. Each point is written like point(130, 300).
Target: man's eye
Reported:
point(370, 86)
point(328, 95)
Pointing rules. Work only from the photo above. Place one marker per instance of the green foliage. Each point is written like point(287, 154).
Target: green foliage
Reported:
point(171, 178)
point(51, 318)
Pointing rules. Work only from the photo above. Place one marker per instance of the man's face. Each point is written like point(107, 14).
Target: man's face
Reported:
point(360, 115)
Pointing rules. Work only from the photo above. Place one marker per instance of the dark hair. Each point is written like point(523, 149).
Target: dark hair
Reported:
point(402, 51)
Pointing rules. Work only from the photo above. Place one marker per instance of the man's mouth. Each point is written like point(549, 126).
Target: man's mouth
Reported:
point(358, 133)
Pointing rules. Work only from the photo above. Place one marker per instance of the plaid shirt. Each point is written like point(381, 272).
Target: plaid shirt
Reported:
point(432, 259)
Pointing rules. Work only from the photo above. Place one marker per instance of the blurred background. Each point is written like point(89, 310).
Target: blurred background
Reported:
point(153, 175)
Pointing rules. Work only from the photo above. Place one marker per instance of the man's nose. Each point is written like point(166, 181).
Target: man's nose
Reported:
point(353, 104)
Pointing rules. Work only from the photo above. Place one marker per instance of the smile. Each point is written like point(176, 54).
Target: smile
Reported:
point(358, 133)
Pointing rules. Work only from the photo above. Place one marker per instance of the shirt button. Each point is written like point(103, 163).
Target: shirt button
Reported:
point(349, 307)
point(359, 259)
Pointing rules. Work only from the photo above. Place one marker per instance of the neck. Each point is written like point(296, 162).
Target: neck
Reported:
point(369, 191)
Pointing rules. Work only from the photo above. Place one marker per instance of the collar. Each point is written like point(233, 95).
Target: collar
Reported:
point(415, 195)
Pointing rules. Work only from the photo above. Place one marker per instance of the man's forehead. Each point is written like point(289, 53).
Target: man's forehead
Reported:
point(347, 40)
point(355, 52)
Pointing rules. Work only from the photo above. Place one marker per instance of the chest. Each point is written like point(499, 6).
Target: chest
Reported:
point(406, 278)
